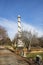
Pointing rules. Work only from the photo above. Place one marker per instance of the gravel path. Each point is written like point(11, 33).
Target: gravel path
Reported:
point(8, 58)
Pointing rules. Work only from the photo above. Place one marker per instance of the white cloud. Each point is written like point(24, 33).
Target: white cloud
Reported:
point(11, 27)
point(33, 29)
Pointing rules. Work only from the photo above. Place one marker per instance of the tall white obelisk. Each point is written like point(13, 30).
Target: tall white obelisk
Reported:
point(20, 43)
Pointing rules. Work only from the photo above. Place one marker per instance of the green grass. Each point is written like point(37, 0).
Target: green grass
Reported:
point(33, 55)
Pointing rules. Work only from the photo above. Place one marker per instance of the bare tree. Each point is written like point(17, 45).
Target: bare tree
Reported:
point(15, 41)
point(40, 41)
point(26, 38)
point(35, 41)
point(3, 35)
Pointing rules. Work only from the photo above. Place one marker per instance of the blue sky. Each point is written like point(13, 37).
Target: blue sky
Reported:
point(31, 12)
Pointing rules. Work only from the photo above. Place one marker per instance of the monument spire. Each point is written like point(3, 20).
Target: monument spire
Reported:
point(20, 43)
point(19, 26)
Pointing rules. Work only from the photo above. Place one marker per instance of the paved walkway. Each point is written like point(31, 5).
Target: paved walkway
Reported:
point(9, 58)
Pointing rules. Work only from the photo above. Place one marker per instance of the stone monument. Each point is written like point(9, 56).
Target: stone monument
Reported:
point(20, 43)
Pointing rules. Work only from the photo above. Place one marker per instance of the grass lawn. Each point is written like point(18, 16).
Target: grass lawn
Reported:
point(33, 55)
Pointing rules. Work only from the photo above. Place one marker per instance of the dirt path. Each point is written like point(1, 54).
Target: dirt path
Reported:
point(9, 58)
